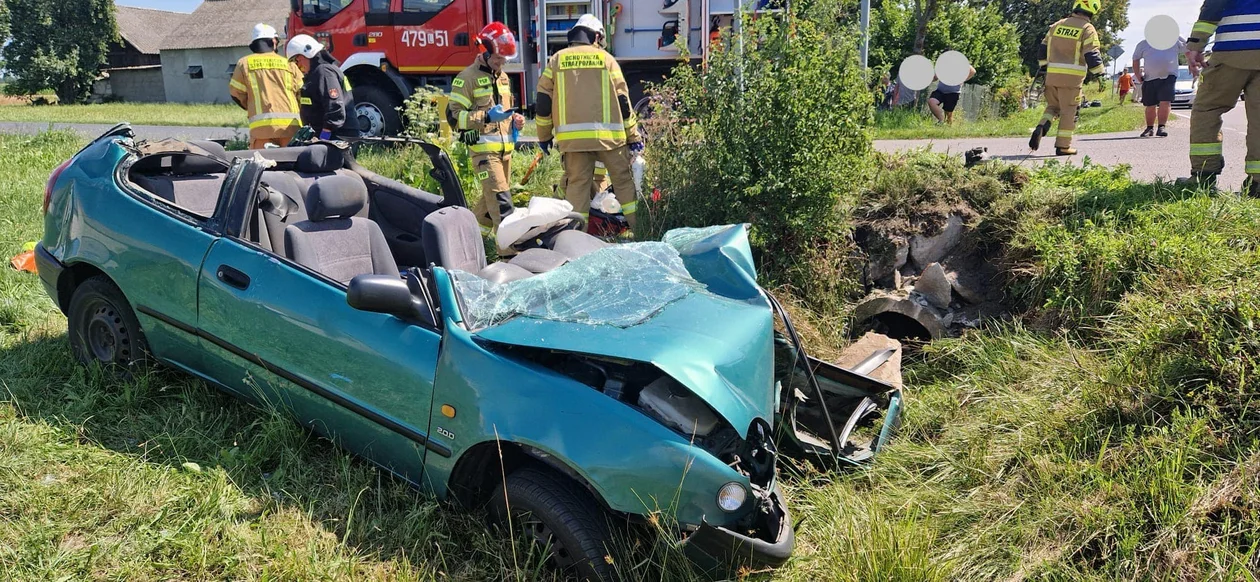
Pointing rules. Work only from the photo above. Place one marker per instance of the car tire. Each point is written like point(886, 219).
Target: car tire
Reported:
point(103, 329)
point(561, 516)
point(378, 111)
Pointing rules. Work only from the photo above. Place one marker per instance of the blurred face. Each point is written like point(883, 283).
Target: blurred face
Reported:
point(496, 61)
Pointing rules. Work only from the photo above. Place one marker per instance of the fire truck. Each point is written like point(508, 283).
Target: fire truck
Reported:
point(388, 48)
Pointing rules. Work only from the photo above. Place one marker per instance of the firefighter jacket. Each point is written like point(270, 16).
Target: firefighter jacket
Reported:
point(473, 92)
point(1070, 51)
point(583, 102)
point(327, 101)
point(1236, 24)
point(266, 85)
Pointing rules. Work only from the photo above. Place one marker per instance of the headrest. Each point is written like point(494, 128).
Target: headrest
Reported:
point(214, 148)
point(452, 239)
point(320, 159)
point(179, 164)
point(335, 197)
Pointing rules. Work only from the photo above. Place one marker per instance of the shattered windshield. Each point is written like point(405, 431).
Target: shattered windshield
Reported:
point(621, 285)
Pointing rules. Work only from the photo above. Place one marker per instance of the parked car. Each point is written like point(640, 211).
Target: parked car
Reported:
point(1187, 86)
point(575, 387)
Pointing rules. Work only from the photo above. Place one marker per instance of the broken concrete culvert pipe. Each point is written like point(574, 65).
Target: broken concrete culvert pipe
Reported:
point(928, 287)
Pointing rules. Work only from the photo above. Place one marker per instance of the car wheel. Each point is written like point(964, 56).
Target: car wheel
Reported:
point(103, 329)
point(378, 111)
point(561, 518)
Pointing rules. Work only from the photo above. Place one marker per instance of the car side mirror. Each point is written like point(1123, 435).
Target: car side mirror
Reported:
point(386, 294)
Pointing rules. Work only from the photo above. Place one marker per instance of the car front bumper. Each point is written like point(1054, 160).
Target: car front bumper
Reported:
point(721, 552)
point(49, 269)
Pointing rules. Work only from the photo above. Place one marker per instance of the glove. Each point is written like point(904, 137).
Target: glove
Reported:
point(469, 136)
point(545, 146)
point(325, 135)
point(497, 114)
point(636, 148)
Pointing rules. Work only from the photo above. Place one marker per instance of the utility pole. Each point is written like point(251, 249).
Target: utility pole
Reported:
point(865, 20)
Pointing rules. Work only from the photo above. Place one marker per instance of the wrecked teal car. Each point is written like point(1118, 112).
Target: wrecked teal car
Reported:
point(578, 387)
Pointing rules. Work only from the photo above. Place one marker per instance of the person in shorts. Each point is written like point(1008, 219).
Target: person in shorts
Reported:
point(1157, 70)
point(944, 100)
point(1124, 84)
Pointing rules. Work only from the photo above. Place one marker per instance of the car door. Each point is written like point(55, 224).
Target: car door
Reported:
point(285, 335)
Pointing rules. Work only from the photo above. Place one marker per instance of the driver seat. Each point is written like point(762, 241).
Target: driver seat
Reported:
point(333, 241)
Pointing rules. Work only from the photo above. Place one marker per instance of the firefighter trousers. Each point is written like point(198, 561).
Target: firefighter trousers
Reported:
point(579, 170)
point(281, 137)
point(1062, 102)
point(1218, 93)
point(493, 171)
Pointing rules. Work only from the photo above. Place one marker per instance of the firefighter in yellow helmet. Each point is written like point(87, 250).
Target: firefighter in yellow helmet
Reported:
point(583, 105)
point(1233, 68)
point(1069, 54)
point(266, 86)
point(480, 108)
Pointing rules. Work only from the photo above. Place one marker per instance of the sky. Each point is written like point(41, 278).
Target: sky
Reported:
point(174, 5)
point(1140, 11)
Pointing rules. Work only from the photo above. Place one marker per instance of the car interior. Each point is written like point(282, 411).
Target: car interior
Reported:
point(320, 209)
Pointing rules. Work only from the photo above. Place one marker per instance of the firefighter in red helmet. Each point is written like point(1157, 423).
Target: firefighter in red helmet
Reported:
point(480, 109)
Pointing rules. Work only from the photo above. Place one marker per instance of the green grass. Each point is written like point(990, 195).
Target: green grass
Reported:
point(1108, 433)
point(914, 124)
point(178, 114)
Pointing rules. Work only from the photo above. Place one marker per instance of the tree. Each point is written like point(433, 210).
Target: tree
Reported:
point(924, 12)
point(974, 29)
point(58, 44)
point(1033, 18)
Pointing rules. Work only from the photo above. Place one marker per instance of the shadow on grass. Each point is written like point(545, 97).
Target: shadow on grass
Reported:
point(164, 417)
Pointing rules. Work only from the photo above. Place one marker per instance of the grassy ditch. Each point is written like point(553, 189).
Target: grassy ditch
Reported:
point(176, 114)
point(915, 124)
point(1109, 432)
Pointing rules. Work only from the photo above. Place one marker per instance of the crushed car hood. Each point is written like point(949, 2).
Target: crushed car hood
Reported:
point(722, 350)
point(717, 339)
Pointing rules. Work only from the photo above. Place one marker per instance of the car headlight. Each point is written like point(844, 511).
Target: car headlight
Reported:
point(731, 496)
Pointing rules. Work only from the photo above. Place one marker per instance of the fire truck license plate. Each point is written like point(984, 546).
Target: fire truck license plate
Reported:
point(422, 38)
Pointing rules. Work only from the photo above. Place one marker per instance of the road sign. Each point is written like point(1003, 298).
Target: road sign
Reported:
point(1115, 51)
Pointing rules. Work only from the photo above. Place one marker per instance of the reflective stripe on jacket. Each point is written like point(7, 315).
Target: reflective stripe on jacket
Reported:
point(1070, 52)
point(587, 92)
point(267, 85)
point(1236, 24)
point(473, 92)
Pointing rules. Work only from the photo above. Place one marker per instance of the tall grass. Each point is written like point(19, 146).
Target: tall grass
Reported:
point(1109, 433)
point(179, 114)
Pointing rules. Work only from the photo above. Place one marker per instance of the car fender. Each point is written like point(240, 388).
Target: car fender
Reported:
point(634, 464)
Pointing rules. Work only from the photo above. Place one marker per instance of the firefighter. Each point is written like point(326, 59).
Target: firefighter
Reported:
point(1233, 68)
point(325, 100)
point(265, 85)
point(583, 106)
point(480, 108)
point(1069, 53)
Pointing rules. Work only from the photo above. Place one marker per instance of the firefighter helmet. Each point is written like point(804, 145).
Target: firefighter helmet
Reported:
point(591, 22)
point(264, 32)
point(303, 45)
point(497, 39)
point(1093, 7)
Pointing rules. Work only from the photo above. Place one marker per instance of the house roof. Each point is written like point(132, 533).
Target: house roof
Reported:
point(226, 23)
point(146, 28)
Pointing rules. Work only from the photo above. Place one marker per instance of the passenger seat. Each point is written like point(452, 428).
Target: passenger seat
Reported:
point(333, 241)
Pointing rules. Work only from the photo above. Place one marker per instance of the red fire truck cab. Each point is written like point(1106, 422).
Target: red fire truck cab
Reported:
point(388, 48)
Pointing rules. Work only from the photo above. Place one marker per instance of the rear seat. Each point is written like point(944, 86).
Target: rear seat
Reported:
point(317, 162)
point(190, 181)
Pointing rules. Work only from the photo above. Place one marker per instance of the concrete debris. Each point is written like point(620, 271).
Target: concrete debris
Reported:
point(931, 249)
point(889, 371)
point(934, 286)
point(911, 314)
point(888, 255)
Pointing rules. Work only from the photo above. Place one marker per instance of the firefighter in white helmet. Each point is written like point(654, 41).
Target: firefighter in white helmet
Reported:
point(266, 85)
point(480, 108)
point(326, 100)
point(584, 106)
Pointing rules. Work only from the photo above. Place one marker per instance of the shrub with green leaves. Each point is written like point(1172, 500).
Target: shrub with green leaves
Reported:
point(772, 131)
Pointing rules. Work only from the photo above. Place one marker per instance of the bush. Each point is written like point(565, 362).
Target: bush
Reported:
point(774, 135)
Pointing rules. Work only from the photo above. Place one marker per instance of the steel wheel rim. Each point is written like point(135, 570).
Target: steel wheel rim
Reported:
point(555, 552)
point(105, 334)
point(371, 117)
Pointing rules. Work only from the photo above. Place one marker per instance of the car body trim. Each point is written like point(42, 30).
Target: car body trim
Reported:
point(333, 397)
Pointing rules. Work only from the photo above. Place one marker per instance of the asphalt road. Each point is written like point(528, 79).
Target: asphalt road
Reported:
point(1151, 158)
point(142, 131)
